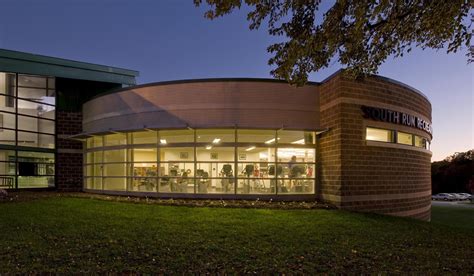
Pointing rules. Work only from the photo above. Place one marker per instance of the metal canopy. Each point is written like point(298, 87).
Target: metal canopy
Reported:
point(26, 63)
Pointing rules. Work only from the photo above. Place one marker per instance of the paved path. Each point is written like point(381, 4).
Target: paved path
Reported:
point(453, 204)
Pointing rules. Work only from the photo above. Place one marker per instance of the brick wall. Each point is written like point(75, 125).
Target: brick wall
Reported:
point(360, 176)
point(69, 152)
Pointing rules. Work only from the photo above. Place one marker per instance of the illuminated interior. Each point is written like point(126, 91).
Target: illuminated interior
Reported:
point(203, 161)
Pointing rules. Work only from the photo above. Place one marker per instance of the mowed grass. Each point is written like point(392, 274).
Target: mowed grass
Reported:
point(458, 217)
point(86, 235)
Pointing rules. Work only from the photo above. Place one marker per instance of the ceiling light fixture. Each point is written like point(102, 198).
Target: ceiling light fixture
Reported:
point(300, 142)
point(271, 141)
point(249, 149)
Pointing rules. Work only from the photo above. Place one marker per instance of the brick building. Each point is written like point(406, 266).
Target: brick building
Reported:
point(360, 145)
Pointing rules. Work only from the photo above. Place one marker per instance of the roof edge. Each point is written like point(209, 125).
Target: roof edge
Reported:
point(387, 79)
point(24, 56)
point(185, 81)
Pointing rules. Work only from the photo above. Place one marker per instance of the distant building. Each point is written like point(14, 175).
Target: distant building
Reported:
point(360, 145)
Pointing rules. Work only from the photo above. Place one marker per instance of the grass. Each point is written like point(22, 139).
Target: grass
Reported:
point(73, 235)
point(458, 217)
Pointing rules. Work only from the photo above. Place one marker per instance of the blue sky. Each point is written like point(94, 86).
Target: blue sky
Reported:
point(170, 39)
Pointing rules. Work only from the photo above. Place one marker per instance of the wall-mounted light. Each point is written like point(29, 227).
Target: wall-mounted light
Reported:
point(163, 141)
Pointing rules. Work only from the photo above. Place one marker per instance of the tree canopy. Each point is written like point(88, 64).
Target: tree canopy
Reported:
point(454, 174)
point(360, 35)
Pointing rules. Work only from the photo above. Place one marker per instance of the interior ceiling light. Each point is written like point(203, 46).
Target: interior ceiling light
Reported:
point(271, 141)
point(300, 142)
point(208, 147)
point(163, 141)
point(216, 140)
point(249, 149)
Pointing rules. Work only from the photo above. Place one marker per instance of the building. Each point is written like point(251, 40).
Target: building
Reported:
point(360, 145)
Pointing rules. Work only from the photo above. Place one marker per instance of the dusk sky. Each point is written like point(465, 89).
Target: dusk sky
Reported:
point(170, 40)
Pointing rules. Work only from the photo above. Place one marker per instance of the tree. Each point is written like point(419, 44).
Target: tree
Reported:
point(453, 174)
point(360, 35)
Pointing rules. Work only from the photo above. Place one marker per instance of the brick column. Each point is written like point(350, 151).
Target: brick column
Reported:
point(373, 177)
point(69, 152)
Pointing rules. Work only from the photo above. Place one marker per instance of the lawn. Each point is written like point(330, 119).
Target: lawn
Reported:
point(88, 235)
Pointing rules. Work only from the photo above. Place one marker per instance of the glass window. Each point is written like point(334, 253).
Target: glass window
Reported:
point(7, 137)
point(45, 141)
point(215, 136)
point(177, 154)
point(215, 169)
point(215, 154)
point(27, 139)
point(296, 186)
point(296, 155)
point(35, 181)
point(32, 81)
point(7, 103)
point(144, 137)
point(7, 84)
point(115, 169)
point(35, 124)
point(182, 184)
point(115, 156)
point(144, 155)
point(377, 134)
point(256, 136)
point(35, 169)
point(94, 142)
point(296, 137)
point(32, 94)
point(7, 162)
point(176, 169)
point(143, 184)
point(420, 142)
point(35, 109)
point(404, 138)
point(7, 120)
point(175, 136)
point(51, 83)
point(255, 154)
point(209, 168)
point(94, 183)
point(144, 169)
point(30, 139)
point(115, 183)
point(94, 157)
point(256, 185)
point(115, 139)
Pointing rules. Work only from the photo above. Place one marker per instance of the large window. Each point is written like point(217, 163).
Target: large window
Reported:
point(203, 161)
point(27, 121)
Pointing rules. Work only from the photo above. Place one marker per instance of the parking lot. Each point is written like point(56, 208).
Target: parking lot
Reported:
point(454, 204)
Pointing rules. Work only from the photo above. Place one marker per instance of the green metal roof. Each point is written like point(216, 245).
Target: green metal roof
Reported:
point(26, 63)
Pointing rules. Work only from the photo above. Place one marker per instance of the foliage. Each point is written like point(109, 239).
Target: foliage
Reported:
point(358, 34)
point(454, 174)
point(79, 235)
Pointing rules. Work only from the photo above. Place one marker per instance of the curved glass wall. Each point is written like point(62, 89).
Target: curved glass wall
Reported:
point(203, 161)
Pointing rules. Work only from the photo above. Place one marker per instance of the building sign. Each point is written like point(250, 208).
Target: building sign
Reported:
point(396, 117)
